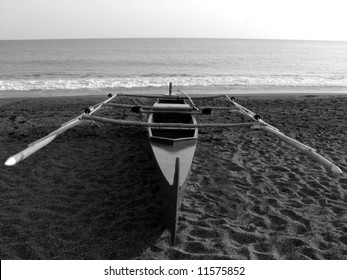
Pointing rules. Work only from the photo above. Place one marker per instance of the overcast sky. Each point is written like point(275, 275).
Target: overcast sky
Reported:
point(269, 19)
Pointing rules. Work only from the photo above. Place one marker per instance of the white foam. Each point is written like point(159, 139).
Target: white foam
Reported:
point(143, 82)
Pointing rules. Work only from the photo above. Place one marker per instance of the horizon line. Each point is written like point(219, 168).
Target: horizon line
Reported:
point(170, 38)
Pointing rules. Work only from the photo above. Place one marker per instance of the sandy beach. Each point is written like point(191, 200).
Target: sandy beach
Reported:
point(93, 192)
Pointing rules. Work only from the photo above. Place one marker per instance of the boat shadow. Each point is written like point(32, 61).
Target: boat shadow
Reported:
point(91, 194)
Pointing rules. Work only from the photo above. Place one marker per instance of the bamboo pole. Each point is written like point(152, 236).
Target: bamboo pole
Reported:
point(190, 100)
point(168, 96)
point(250, 114)
point(328, 165)
point(117, 105)
point(148, 107)
point(306, 150)
point(28, 151)
point(37, 145)
point(175, 125)
point(171, 112)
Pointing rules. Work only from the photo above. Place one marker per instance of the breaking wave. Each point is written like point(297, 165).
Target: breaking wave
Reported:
point(183, 80)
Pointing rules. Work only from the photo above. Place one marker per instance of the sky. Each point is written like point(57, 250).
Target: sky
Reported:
point(249, 19)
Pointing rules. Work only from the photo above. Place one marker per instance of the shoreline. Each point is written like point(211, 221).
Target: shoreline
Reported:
point(190, 90)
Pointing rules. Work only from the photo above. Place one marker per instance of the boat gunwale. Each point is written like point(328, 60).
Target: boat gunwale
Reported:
point(192, 120)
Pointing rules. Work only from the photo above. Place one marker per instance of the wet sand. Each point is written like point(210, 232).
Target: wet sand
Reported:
point(93, 192)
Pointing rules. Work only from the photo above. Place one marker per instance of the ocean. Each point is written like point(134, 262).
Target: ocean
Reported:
point(55, 67)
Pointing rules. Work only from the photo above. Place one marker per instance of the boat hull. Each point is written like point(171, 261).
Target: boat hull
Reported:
point(174, 151)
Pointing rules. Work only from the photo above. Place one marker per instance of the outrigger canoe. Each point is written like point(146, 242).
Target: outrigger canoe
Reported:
point(173, 134)
point(173, 149)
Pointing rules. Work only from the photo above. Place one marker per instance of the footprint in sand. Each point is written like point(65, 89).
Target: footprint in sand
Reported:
point(245, 237)
point(290, 247)
point(262, 247)
point(292, 215)
point(309, 252)
point(277, 223)
point(260, 222)
point(205, 233)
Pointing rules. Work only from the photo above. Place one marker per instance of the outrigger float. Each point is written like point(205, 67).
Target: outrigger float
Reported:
point(173, 135)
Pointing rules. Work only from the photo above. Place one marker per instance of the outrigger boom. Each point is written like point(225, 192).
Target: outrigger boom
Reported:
point(37, 145)
point(87, 116)
point(328, 165)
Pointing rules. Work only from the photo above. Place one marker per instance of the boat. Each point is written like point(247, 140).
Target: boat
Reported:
point(173, 149)
point(173, 135)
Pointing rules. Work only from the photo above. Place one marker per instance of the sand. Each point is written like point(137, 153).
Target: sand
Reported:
point(93, 192)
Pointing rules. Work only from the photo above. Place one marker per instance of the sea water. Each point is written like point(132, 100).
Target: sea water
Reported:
point(53, 67)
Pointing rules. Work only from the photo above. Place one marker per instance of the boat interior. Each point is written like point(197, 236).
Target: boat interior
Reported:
point(172, 118)
point(172, 134)
point(171, 100)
